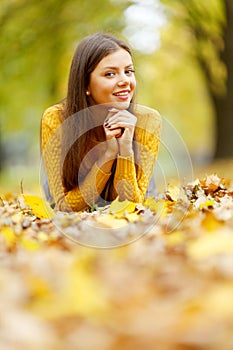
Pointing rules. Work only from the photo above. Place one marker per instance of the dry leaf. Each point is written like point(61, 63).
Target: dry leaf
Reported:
point(208, 245)
point(40, 208)
point(121, 207)
point(156, 206)
point(80, 298)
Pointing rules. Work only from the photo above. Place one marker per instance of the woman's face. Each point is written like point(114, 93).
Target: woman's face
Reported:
point(113, 81)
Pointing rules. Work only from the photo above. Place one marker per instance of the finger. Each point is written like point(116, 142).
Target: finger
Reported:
point(120, 125)
point(113, 133)
point(120, 133)
point(121, 118)
point(111, 112)
point(107, 121)
point(127, 134)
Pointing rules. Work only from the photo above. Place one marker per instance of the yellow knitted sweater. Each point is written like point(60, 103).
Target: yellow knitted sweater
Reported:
point(132, 174)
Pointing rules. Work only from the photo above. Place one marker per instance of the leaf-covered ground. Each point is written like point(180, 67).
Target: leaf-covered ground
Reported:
point(167, 284)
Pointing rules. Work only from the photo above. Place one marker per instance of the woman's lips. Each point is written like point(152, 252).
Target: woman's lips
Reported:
point(123, 95)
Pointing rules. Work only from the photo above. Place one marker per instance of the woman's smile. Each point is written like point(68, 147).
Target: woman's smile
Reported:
point(113, 79)
point(123, 95)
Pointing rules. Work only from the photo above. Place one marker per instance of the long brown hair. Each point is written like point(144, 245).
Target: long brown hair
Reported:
point(90, 51)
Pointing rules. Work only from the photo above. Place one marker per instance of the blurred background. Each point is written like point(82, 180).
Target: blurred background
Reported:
point(183, 54)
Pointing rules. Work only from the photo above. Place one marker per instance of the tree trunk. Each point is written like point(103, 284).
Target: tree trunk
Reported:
point(224, 104)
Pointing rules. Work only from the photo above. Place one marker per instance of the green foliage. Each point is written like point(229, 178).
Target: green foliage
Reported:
point(188, 70)
point(37, 42)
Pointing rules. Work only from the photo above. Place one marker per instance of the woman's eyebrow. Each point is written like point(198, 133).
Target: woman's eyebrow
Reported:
point(110, 67)
point(113, 67)
point(129, 65)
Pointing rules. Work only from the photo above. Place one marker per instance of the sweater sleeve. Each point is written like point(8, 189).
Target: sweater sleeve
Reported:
point(79, 198)
point(133, 173)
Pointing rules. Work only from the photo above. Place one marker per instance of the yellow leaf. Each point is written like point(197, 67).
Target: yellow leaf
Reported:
point(174, 238)
point(133, 217)
point(210, 223)
point(217, 299)
point(208, 203)
point(120, 208)
point(29, 244)
point(110, 221)
point(38, 286)
point(40, 208)
point(156, 206)
point(79, 293)
point(84, 293)
point(8, 234)
point(173, 193)
point(17, 218)
point(209, 245)
point(42, 237)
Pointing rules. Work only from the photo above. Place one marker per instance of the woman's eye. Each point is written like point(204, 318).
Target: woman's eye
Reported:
point(109, 74)
point(130, 71)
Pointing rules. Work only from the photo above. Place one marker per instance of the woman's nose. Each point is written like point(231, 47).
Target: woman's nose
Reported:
point(123, 80)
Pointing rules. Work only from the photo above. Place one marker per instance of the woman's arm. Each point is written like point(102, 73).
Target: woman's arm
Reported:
point(134, 171)
point(79, 198)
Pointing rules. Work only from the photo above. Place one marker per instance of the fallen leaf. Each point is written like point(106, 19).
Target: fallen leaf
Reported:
point(9, 235)
point(208, 245)
point(29, 244)
point(109, 221)
point(158, 207)
point(207, 204)
point(40, 208)
point(122, 207)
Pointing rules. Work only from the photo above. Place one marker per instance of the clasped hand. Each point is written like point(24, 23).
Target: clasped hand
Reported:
point(119, 130)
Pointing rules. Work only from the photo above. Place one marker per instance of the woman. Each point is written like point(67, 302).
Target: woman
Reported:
point(96, 144)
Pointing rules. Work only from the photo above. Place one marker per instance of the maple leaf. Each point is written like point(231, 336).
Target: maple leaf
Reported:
point(158, 207)
point(86, 298)
point(40, 208)
point(173, 193)
point(122, 207)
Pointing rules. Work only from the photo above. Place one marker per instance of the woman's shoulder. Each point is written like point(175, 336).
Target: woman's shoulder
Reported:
point(54, 114)
point(148, 118)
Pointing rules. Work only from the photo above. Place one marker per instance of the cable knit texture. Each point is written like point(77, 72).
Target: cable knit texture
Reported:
point(132, 174)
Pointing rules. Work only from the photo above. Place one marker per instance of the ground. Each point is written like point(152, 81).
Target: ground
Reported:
point(163, 280)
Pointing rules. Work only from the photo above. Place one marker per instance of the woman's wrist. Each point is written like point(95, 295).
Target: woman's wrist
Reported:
point(106, 161)
point(125, 154)
point(109, 155)
point(126, 151)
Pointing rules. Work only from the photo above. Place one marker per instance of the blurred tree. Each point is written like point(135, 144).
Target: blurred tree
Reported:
point(37, 42)
point(224, 104)
point(210, 25)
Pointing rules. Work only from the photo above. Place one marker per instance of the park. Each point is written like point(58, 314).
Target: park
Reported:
point(154, 274)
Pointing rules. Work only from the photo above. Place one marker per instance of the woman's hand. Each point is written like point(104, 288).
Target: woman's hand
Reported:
point(112, 147)
point(120, 124)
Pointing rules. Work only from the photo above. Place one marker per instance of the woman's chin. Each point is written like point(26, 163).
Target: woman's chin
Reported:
point(122, 105)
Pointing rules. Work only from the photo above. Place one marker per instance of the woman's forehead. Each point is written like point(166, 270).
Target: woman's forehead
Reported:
point(116, 58)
